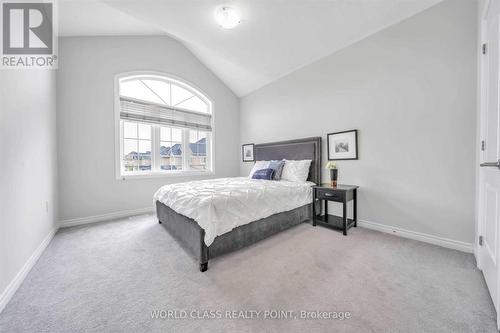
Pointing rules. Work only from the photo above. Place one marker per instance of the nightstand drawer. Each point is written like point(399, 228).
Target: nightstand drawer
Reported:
point(329, 195)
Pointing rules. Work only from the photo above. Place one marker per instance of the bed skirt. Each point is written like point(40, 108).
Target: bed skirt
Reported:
point(191, 236)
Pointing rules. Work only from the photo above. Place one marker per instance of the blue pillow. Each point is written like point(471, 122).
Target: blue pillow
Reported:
point(266, 174)
point(277, 166)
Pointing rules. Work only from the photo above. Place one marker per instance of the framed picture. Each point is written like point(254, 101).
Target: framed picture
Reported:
point(247, 151)
point(342, 145)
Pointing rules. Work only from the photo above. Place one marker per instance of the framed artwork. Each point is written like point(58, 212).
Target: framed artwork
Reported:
point(342, 145)
point(247, 151)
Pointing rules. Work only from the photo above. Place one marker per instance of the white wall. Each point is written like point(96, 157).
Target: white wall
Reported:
point(85, 123)
point(410, 90)
point(28, 168)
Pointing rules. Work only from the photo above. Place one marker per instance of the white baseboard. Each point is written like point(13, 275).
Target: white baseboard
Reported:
point(436, 240)
point(21, 275)
point(104, 217)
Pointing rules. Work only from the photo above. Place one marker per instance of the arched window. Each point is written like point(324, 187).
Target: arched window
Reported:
point(165, 126)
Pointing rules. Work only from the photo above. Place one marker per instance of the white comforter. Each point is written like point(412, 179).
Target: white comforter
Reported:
point(220, 205)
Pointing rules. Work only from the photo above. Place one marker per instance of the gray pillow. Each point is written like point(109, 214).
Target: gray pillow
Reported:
point(277, 166)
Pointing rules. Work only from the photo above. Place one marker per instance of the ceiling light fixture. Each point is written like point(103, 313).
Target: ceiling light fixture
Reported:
point(227, 17)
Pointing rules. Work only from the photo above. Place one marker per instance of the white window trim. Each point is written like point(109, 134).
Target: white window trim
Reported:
point(120, 175)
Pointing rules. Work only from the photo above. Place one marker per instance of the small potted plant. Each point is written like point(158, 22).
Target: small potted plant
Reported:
point(333, 172)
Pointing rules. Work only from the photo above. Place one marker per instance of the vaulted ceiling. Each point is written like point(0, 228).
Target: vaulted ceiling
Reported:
point(274, 38)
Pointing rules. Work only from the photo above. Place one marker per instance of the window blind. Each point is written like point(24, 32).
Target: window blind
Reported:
point(137, 110)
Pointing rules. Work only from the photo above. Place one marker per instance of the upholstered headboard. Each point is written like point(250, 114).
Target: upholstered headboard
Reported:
point(300, 149)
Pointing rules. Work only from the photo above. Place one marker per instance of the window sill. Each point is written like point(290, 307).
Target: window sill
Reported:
point(167, 174)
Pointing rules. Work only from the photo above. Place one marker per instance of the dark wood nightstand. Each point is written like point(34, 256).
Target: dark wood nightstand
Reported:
point(342, 194)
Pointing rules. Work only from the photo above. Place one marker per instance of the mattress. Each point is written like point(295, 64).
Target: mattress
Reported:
point(220, 205)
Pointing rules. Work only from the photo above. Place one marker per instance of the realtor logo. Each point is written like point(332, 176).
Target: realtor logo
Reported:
point(28, 29)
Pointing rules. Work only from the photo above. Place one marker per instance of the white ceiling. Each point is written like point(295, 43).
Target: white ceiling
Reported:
point(274, 38)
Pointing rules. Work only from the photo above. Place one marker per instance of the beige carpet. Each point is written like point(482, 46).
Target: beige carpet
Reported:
point(109, 277)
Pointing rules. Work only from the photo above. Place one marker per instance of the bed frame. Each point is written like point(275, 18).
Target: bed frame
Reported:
point(191, 236)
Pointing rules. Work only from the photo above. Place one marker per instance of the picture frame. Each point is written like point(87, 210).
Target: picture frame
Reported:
point(342, 145)
point(248, 153)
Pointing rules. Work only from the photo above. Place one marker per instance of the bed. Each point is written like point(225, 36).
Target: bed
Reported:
point(194, 239)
